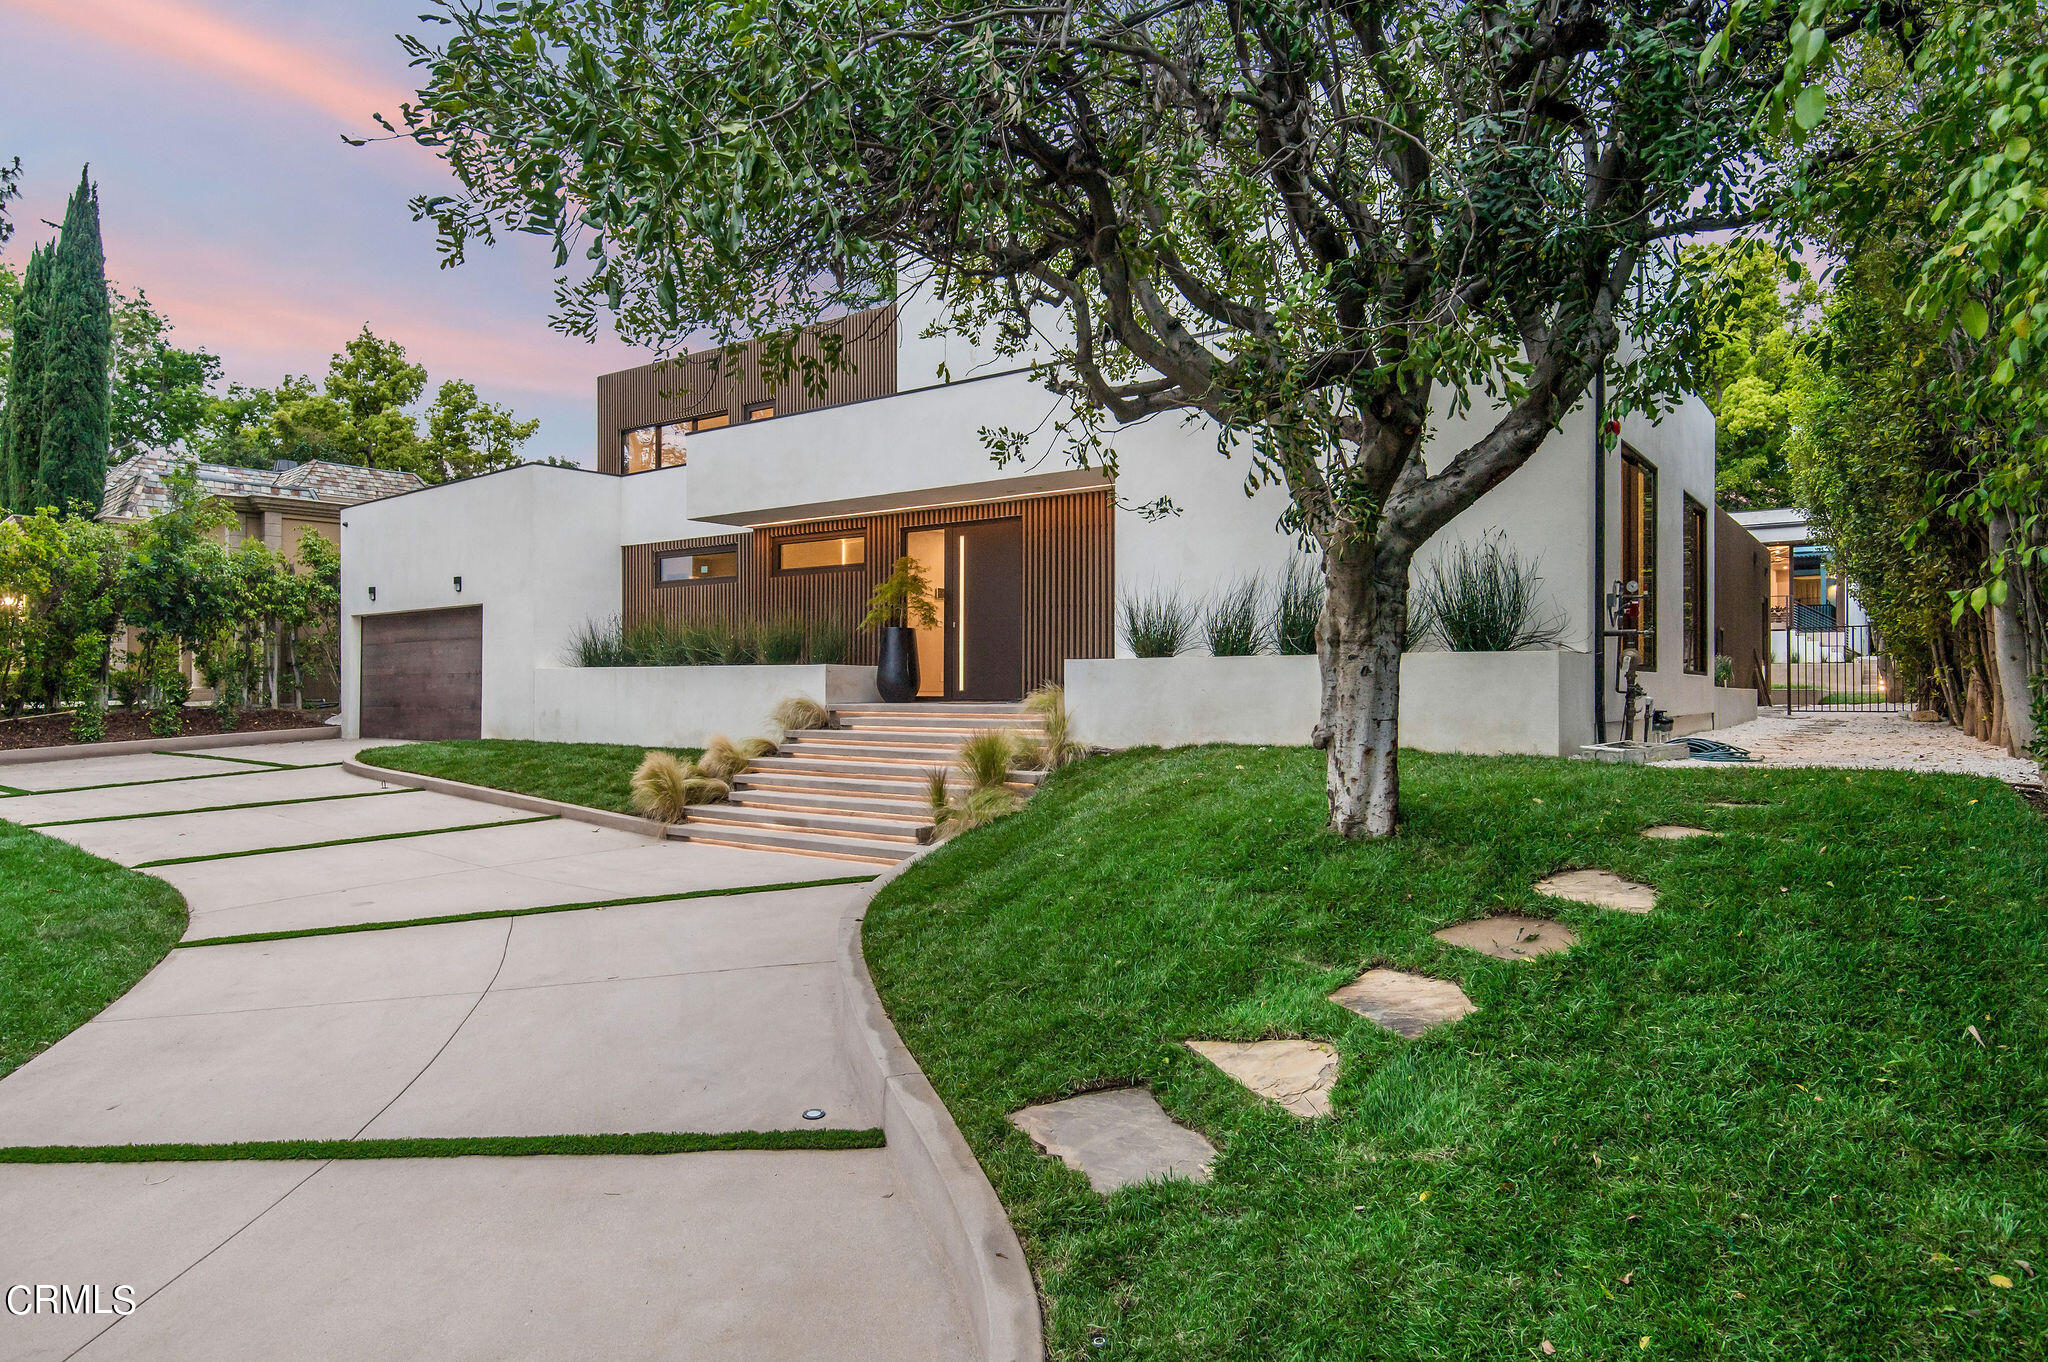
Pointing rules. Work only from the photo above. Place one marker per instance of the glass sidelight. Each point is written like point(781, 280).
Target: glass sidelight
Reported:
point(977, 653)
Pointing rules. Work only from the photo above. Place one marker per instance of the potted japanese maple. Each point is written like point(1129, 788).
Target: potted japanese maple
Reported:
point(902, 604)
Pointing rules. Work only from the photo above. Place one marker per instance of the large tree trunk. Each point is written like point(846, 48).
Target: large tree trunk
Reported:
point(1364, 625)
point(2011, 655)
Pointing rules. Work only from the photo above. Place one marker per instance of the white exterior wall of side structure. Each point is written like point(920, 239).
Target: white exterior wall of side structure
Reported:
point(537, 547)
point(680, 706)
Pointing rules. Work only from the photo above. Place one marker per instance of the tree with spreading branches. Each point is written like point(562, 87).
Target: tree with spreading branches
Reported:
point(1320, 224)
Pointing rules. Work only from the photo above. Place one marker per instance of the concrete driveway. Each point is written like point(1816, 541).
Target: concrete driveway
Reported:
point(696, 1015)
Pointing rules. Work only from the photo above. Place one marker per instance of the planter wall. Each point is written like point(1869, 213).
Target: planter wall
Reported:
point(1734, 705)
point(1536, 703)
point(679, 706)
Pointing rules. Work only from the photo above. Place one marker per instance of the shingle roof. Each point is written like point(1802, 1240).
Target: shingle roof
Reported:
point(136, 489)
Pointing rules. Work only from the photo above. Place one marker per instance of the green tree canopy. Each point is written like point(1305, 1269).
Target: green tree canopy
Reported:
point(77, 359)
point(160, 391)
point(1748, 342)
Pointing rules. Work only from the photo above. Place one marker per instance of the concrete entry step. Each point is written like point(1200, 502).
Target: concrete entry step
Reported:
point(881, 829)
point(1506, 936)
point(910, 754)
point(826, 801)
point(1117, 1137)
point(961, 725)
point(1601, 889)
point(1406, 1004)
point(839, 847)
point(929, 709)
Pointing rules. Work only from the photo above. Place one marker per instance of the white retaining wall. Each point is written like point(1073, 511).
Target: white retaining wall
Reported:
point(1536, 703)
point(680, 706)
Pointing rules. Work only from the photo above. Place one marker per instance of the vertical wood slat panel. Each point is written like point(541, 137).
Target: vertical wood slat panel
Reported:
point(694, 384)
point(1068, 597)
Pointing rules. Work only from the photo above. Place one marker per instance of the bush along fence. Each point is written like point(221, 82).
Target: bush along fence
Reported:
point(785, 641)
point(90, 612)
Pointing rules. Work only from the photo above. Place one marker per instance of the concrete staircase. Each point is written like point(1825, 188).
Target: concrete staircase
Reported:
point(855, 791)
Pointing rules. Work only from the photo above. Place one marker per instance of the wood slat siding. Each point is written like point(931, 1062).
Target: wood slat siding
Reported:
point(1069, 565)
point(695, 384)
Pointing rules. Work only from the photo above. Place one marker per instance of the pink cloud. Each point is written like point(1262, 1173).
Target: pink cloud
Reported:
point(187, 34)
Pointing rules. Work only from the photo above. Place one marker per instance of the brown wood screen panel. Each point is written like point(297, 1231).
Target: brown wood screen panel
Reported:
point(1069, 601)
point(1742, 602)
point(423, 674)
point(692, 385)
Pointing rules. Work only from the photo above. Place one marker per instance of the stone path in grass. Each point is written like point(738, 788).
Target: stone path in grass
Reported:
point(1122, 1136)
point(710, 1014)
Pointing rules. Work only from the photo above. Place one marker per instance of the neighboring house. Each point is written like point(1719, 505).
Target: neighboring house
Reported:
point(714, 496)
point(1805, 592)
point(275, 505)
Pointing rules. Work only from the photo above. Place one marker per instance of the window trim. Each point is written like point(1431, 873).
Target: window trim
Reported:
point(661, 584)
point(776, 568)
point(1699, 574)
point(1646, 474)
point(758, 411)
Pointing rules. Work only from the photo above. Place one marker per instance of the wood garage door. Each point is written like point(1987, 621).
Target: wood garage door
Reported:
point(423, 674)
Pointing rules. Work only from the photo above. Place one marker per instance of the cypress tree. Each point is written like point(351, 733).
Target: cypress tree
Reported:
point(21, 430)
point(78, 343)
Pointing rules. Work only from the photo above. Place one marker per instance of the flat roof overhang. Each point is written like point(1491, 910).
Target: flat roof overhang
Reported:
point(920, 499)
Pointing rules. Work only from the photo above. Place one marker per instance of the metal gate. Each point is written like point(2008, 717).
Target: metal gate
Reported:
point(1820, 664)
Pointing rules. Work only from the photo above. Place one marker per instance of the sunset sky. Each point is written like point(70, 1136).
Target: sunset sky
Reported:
point(213, 130)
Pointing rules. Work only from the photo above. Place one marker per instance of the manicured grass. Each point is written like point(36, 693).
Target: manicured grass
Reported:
point(339, 842)
point(1750, 1124)
point(595, 775)
point(349, 928)
point(75, 933)
point(487, 1146)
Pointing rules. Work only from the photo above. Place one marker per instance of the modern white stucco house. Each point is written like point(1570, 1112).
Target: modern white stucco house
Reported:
point(715, 496)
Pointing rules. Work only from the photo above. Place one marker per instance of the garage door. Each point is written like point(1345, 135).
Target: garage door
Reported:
point(423, 674)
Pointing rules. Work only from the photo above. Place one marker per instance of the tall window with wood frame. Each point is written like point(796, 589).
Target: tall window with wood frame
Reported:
point(1639, 549)
point(1698, 651)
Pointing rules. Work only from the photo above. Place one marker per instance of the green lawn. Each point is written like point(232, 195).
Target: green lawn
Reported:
point(76, 932)
point(595, 775)
point(1751, 1124)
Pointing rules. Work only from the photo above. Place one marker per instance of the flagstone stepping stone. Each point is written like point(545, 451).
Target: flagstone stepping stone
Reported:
point(1406, 1004)
point(1676, 832)
point(1298, 1074)
point(1601, 888)
point(1737, 803)
point(1508, 937)
point(1117, 1137)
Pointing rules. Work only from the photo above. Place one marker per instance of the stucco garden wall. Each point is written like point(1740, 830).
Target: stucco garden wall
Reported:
point(680, 706)
point(1536, 703)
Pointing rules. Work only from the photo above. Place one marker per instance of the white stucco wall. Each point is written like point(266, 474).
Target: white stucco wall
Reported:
point(1536, 703)
point(680, 706)
point(537, 547)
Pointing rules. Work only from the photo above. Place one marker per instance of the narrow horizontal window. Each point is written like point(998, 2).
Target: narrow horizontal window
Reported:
point(720, 564)
point(760, 411)
point(847, 550)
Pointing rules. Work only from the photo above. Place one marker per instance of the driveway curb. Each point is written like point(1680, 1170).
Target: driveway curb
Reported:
point(484, 794)
point(969, 1230)
point(79, 751)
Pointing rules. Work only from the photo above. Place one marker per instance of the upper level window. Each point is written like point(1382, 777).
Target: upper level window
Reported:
point(846, 550)
point(663, 446)
point(760, 411)
point(1639, 551)
point(720, 563)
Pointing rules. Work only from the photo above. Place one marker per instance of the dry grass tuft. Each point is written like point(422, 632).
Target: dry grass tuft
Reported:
point(799, 712)
point(659, 787)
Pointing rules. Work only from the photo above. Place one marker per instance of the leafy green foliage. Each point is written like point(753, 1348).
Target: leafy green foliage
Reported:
point(1483, 598)
point(1750, 343)
point(1233, 621)
point(77, 353)
point(902, 598)
point(1157, 622)
point(1749, 1123)
point(1297, 609)
point(75, 933)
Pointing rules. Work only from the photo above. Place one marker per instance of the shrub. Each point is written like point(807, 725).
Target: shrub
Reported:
point(1156, 624)
point(986, 757)
point(596, 643)
point(795, 713)
point(168, 722)
point(89, 720)
point(721, 759)
point(751, 748)
point(826, 644)
point(781, 642)
point(1232, 623)
point(129, 685)
point(1056, 747)
point(664, 788)
point(904, 597)
point(1297, 609)
point(1724, 670)
point(1482, 598)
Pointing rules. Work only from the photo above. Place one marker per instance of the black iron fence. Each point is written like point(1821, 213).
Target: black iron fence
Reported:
point(1819, 665)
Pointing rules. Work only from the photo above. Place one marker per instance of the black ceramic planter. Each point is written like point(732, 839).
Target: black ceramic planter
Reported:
point(896, 669)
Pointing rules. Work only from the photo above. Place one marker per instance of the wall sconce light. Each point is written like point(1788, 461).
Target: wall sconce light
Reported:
point(373, 593)
point(458, 586)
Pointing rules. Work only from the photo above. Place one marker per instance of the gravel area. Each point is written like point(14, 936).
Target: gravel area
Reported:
point(1888, 741)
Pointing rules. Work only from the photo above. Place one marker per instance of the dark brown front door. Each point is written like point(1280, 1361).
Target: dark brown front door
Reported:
point(423, 674)
point(985, 611)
